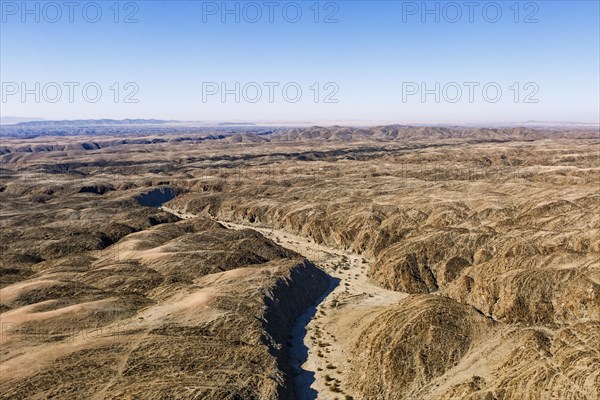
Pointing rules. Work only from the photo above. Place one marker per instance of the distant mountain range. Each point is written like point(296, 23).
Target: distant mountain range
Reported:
point(16, 120)
point(31, 128)
point(94, 122)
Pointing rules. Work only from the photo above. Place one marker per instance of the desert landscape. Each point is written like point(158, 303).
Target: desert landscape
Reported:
point(389, 262)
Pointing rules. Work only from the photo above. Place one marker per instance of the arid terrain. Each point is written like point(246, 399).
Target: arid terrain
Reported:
point(392, 262)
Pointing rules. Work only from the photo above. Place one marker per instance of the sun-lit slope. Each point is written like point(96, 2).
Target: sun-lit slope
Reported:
point(495, 233)
point(211, 339)
point(509, 231)
point(485, 240)
point(430, 347)
point(184, 309)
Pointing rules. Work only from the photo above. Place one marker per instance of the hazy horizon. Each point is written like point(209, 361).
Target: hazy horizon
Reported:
point(12, 120)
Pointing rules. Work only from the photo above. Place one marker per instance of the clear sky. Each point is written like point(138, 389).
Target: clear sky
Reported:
point(479, 62)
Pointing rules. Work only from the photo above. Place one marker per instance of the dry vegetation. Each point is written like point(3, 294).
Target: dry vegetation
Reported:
point(494, 234)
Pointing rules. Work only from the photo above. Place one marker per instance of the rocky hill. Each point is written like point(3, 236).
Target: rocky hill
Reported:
point(467, 264)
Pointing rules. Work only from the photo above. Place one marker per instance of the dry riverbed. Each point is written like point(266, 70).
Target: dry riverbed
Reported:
point(323, 336)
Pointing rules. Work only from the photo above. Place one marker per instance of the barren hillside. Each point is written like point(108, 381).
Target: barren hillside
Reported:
point(445, 263)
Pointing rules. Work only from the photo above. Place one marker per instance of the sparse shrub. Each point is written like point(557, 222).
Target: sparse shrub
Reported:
point(336, 389)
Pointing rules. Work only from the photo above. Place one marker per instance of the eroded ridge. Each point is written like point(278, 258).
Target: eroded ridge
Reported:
point(453, 263)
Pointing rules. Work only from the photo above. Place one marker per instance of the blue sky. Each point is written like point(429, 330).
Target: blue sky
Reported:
point(373, 59)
